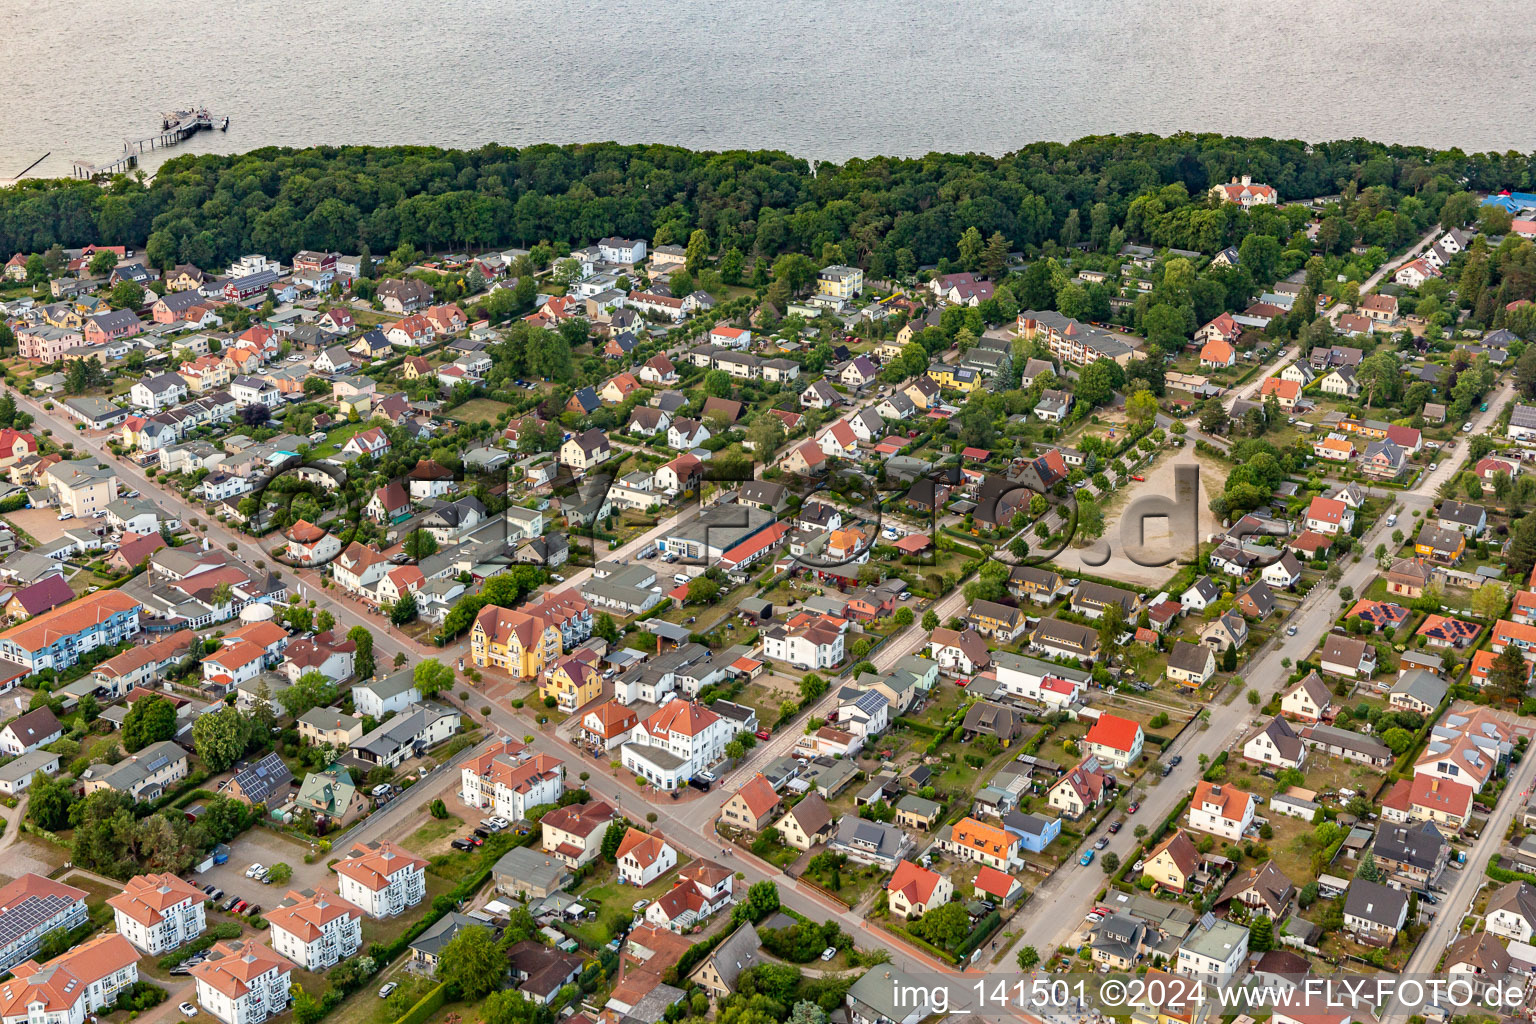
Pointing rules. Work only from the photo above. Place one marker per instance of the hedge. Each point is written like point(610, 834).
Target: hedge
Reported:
point(226, 930)
point(1503, 874)
point(984, 927)
point(426, 1006)
point(923, 944)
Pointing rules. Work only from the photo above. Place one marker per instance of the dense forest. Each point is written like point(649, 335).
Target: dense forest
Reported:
point(888, 215)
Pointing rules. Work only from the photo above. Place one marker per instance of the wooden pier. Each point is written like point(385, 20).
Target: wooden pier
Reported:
point(174, 128)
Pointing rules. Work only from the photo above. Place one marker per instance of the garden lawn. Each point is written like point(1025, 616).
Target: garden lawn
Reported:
point(338, 437)
point(477, 409)
point(613, 903)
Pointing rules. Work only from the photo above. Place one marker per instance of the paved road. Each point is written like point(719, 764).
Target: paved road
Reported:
point(1388, 267)
point(1071, 890)
point(1466, 883)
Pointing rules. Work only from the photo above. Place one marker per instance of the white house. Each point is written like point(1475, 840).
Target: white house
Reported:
point(508, 782)
point(381, 879)
point(1214, 951)
point(243, 982)
point(36, 728)
point(316, 929)
point(157, 913)
point(644, 858)
point(378, 697)
point(64, 990)
point(1221, 810)
point(1114, 740)
point(680, 739)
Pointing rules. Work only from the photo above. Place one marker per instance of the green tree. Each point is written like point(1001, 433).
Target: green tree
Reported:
point(280, 873)
point(1029, 958)
point(930, 620)
point(1141, 408)
point(1508, 674)
point(404, 609)
point(606, 628)
point(149, 720)
point(613, 838)
point(420, 544)
point(1261, 934)
point(362, 659)
point(471, 965)
point(698, 250)
point(102, 263)
point(944, 926)
point(48, 802)
point(310, 690)
point(702, 590)
point(220, 738)
point(432, 677)
point(717, 384)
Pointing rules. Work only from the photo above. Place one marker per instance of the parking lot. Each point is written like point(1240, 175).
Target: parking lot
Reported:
point(265, 847)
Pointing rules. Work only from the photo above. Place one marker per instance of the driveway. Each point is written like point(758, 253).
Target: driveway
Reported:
point(267, 847)
point(41, 524)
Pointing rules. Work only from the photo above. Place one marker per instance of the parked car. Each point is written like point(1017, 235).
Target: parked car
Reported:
point(1102, 842)
point(639, 905)
point(1086, 858)
point(387, 989)
point(1116, 825)
point(1176, 760)
point(462, 844)
point(187, 1010)
point(1135, 806)
point(829, 953)
point(254, 870)
point(764, 734)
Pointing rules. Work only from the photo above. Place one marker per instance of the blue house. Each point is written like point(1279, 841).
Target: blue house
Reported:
point(1035, 832)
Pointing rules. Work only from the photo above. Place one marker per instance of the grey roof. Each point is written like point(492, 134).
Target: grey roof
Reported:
point(1215, 938)
point(1375, 902)
point(401, 730)
point(539, 870)
point(1422, 685)
point(391, 685)
point(1284, 738)
point(28, 763)
point(1188, 657)
point(129, 772)
point(1418, 845)
point(435, 938)
point(878, 988)
point(737, 953)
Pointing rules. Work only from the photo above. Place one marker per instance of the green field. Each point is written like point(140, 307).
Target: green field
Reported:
point(477, 409)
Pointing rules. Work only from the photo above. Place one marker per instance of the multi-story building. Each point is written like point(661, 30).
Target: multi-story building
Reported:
point(1214, 951)
point(516, 642)
point(506, 780)
point(82, 486)
point(143, 775)
point(381, 879)
point(680, 739)
point(315, 929)
point(157, 913)
point(67, 988)
point(57, 639)
point(969, 839)
point(1071, 341)
point(1220, 810)
point(574, 833)
point(242, 982)
point(31, 907)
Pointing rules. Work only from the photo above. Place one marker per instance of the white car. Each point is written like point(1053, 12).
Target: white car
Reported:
point(639, 905)
point(254, 870)
point(187, 1010)
point(501, 822)
point(829, 953)
point(387, 989)
point(66, 515)
point(1466, 428)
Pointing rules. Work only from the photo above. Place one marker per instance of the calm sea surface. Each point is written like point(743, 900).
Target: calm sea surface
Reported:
point(826, 79)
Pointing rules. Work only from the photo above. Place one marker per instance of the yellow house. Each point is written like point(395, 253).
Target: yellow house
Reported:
point(954, 378)
point(184, 279)
point(1440, 545)
point(83, 486)
point(1173, 863)
point(205, 374)
point(515, 642)
point(840, 282)
point(888, 350)
point(573, 682)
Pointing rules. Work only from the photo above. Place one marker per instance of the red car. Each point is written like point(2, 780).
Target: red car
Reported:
point(764, 734)
point(1135, 806)
point(1138, 478)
